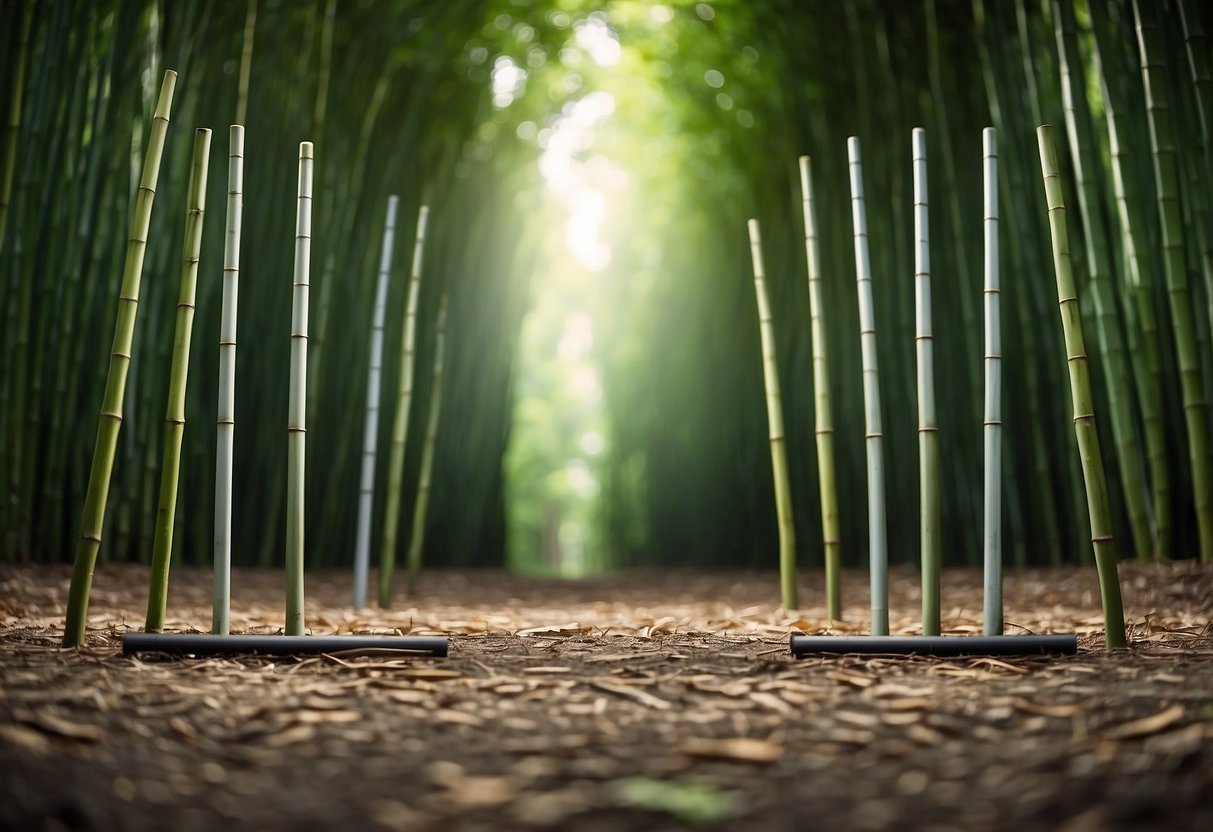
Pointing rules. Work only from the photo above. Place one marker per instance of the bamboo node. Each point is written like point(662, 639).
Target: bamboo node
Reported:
point(1102, 538)
point(172, 421)
point(993, 423)
point(873, 435)
point(91, 538)
point(928, 429)
point(824, 431)
point(225, 422)
point(109, 414)
point(223, 343)
point(296, 430)
point(1080, 357)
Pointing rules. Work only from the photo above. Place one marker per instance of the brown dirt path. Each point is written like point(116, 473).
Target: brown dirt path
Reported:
point(639, 701)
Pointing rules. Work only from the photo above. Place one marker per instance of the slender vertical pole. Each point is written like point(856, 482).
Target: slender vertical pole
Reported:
point(877, 534)
point(297, 424)
point(992, 536)
point(225, 428)
point(928, 428)
point(421, 506)
point(824, 423)
point(366, 493)
point(779, 460)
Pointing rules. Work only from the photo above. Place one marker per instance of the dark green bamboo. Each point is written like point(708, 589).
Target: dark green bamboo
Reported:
point(422, 504)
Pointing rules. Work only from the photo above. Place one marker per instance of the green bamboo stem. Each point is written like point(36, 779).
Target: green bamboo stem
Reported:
point(400, 426)
point(873, 433)
point(110, 420)
point(297, 423)
point(823, 419)
point(225, 423)
point(421, 506)
point(1085, 431)
point(246, 62)
point(370, 443)
point(779, 460)
point(1166, 180)
point(928, 427)
point(13, 130)
point(174, 417)
point(992, 537)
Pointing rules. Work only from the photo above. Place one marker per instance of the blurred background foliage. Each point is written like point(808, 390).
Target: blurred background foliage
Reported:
point(590, 168)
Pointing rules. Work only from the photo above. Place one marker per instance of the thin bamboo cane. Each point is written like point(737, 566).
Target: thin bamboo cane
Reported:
point(370, 442)
point(1166, 179)
point(225, 427)
point(873, 433)
point(297, 423)
point(1085, 430)
point(779, 460)
point(110, 420)
point(421, 506)
point(992, 538)
point(246, 62)
point(824, 421)
point(174, 417)
point(928, 426)
point(400, 426)
point(14, 121)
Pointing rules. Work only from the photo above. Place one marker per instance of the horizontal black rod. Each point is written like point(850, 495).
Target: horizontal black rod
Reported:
point(201, 644)
point(1066, 643)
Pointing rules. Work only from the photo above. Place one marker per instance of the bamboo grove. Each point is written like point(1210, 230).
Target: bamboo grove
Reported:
point(713, 105)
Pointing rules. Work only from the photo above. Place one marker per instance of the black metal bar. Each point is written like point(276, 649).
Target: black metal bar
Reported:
point(201, 644)
point(1065, 643)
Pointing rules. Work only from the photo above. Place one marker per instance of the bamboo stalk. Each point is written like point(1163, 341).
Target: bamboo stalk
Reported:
point(400, 426)
point(366, 495)
point(174, 417)
point(421, 506)
point(992, 538)
point(1085, 430)
point(14, 120)
point(877, 534)
point(928, 426)
point(297, 423)
point(779, 460)
point(824, 421)
point(225, 427)
point(110, 420)
point(246, 62)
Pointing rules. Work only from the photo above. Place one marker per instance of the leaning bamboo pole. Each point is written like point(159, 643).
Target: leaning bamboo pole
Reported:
point(878, 555)
point(225, 427)
point(992, 536)
point(779, 459)
point(370, 441)
point(110, 420)
point(400, 426)
point(297, 420)
point(421, 506)
point(928, 425)
point(823, 427)
point(1085, 430)
point(174, 417)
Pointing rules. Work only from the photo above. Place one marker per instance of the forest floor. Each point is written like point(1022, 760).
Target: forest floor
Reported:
point(636, 701)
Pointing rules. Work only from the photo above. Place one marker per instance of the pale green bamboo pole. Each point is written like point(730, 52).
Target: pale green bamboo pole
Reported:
point(992, 538)
point(297, 423)
point(400, 426)
point(928, 426)
point(246, 62)
point(225, 427)
point(1166, 180)
point(14, 119)
point(421, 506)
point(779, 460)
point(824, 421)
point(878, 555)
point(1085, 430)
point(110, 420)
point(370, 442)
point(174, 417)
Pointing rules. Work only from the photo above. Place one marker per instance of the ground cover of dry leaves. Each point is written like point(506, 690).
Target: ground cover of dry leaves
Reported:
point(638, 701)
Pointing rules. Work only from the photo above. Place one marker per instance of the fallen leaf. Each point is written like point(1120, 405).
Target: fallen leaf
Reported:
point(735, 749)
point(643, 697)
point(52, 724)
point(1148, 725)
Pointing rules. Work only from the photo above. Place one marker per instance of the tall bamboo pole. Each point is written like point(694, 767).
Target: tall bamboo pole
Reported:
point(928, 426)
point(370, 442)
point(110, 420)
point(1085, 430)
point(877, 534)
point(246, 62)
point(225, 427)
point(400, 426)
point(779, 460)
point(174, 417)
point(1166, 179)
point(824, 421)
point(421, 506)
point(13, 129)
point(297, 423)
point(992, 537)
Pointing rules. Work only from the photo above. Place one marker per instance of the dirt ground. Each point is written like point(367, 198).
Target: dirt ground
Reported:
point(638, 701)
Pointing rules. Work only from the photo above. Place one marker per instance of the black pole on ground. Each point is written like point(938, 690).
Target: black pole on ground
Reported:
point(1063, 644)
point(267, 645)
